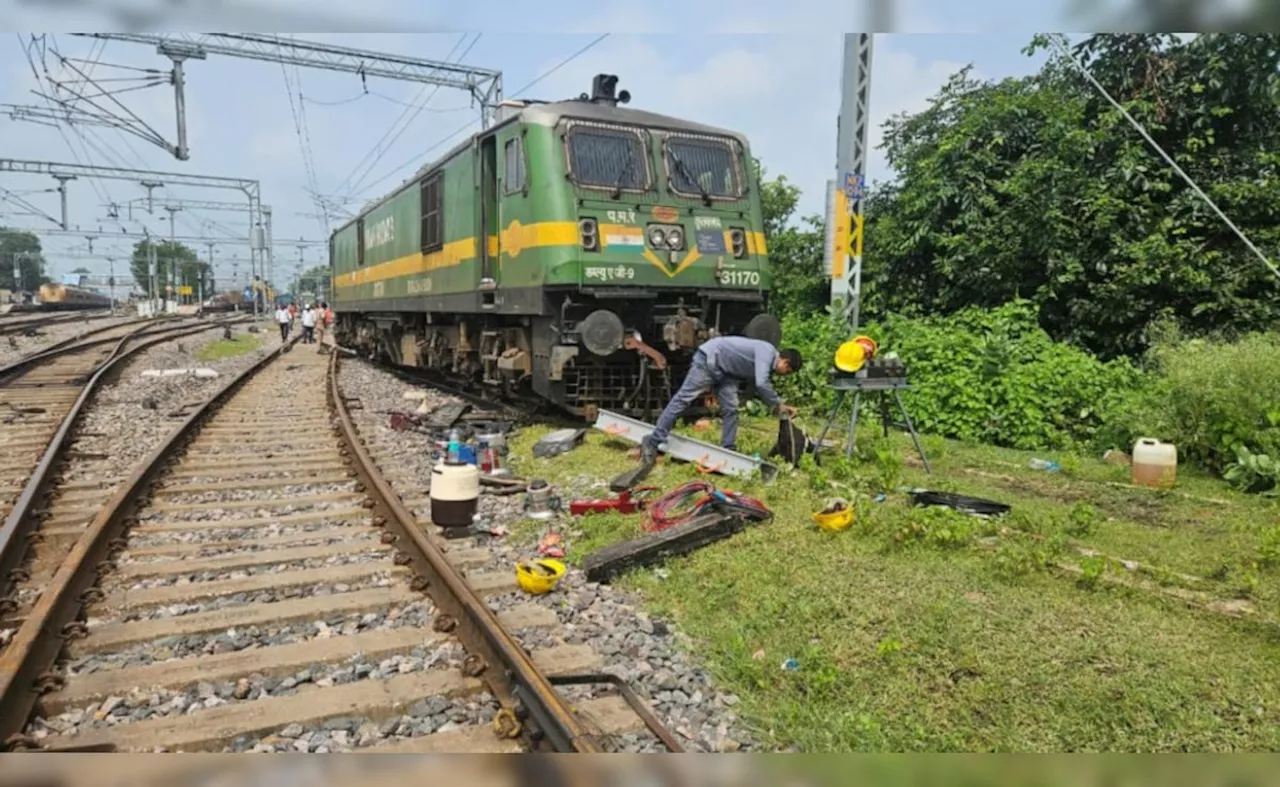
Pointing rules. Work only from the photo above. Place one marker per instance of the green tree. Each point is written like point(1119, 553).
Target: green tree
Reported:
point(190, 269)
point(82, 271)
point(795, 252)
point(316, 280)
point(24, 247)
point(1038, 188)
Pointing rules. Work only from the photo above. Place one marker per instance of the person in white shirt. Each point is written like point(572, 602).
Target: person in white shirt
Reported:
point(308, 324)
point(283, 318)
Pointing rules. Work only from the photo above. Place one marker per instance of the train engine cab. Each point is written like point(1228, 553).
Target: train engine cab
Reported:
point(578, 251)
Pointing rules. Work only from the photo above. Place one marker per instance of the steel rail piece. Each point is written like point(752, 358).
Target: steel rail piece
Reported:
point(27, 663)
point(533, 708)
point(57, 348)
point(8, 326)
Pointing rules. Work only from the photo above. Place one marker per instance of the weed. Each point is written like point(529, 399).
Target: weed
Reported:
point(1269, 547)
point(936, 526)
point(1092, 568)
point(889, 465)
point(1082, 520)
point(888, 646)
point(228, 348)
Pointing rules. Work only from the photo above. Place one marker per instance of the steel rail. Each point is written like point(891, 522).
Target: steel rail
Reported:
point(8, 326)
point(75, 344)
point(13, 541)
point(545, 720)
point(5, 371)
point(26, 665)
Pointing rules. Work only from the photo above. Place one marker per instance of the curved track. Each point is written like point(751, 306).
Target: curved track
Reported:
point(258, 579)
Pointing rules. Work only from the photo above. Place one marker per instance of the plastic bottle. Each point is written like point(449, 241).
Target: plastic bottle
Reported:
point(453, 452)
point(1044, 464)
point(485, 455)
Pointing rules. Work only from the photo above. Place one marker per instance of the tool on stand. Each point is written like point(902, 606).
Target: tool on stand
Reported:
point(857, 369)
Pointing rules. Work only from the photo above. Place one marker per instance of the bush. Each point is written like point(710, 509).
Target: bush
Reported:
point(1208, 398)
point(989, 376)
point(994, 376)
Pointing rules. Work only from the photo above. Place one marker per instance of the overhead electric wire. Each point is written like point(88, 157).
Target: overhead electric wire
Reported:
point(1057, 40)
point(419, 157)
point(356, 185)
point(378, 145)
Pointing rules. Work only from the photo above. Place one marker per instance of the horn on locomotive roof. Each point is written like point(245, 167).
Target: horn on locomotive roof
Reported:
point(603, 88)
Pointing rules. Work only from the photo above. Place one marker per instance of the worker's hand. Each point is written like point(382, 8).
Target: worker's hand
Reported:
point(787, 410)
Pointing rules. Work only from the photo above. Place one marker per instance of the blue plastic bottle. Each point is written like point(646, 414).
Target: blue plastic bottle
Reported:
point(452, 453)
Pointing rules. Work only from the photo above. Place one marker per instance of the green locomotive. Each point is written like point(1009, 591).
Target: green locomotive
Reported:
point(524, 259)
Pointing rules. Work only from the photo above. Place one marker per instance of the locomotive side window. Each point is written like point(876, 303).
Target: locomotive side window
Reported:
point(432, 195)
point(702, 167)
point(604, 157)
point(514, 180)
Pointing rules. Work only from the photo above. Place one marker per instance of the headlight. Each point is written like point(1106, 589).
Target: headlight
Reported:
point(590, 234)
point(657, 237)
point(675, 239)
point(738, 239)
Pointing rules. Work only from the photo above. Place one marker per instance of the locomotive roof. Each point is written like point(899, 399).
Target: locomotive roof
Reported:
point(550, 113)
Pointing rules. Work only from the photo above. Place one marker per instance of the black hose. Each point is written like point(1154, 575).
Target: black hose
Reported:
point(962, 503)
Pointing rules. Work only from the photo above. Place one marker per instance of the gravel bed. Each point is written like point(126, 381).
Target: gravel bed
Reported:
point(248, 533)
point(14, 346)
point(128, 418)
point(232, 514)
point(417, 613)
point(381, 580)
point(146, 703)
point(299, 489)
point(344, 733)
point(645, 651)
point(253, 571)
point(247, 545)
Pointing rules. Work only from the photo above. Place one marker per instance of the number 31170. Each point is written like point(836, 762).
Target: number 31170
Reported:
point(740, 278)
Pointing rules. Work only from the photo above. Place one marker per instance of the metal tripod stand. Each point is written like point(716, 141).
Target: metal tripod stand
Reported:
point(883, 386)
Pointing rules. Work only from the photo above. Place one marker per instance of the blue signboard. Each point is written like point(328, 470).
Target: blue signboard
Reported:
point(710, 241)
point(854, 185)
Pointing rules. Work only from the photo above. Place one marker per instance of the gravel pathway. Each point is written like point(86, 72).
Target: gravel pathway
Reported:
point(645, 651)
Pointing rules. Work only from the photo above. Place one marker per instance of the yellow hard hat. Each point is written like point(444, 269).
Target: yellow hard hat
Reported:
point(851, 355)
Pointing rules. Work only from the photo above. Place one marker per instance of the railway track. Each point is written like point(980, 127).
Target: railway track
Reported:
point(19, 322)
point(258, 585)
point(41, 398)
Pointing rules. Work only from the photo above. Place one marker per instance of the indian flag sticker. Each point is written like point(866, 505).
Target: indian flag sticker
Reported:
point(625, 239)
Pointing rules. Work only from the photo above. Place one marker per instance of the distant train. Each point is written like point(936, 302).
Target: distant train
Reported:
point(64, 297)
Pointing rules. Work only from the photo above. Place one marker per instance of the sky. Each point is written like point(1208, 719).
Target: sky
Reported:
point(769, 77)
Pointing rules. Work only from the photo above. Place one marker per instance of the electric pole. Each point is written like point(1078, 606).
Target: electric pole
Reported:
point(172, 289)
point(845, 194)
point(62, 193)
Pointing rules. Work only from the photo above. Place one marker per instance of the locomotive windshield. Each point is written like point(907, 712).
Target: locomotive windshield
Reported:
point(702, 167)
point(607, 157)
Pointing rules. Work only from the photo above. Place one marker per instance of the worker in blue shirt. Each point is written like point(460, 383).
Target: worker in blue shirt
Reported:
point(720, 365)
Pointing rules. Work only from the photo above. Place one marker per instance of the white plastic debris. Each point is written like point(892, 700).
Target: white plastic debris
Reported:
point(203, 373)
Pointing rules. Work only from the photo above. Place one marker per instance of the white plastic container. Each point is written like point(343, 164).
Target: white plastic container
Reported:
point(1154, 464)
point(454, 495)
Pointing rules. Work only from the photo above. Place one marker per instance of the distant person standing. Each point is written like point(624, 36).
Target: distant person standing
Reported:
point(308, 324)
point(293, 312)
point(323, 318)
point(283, 318)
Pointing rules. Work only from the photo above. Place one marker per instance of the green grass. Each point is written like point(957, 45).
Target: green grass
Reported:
point(926, 630)
point(221, 349)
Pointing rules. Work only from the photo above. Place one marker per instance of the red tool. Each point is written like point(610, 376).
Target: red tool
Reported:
point(628, 502)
